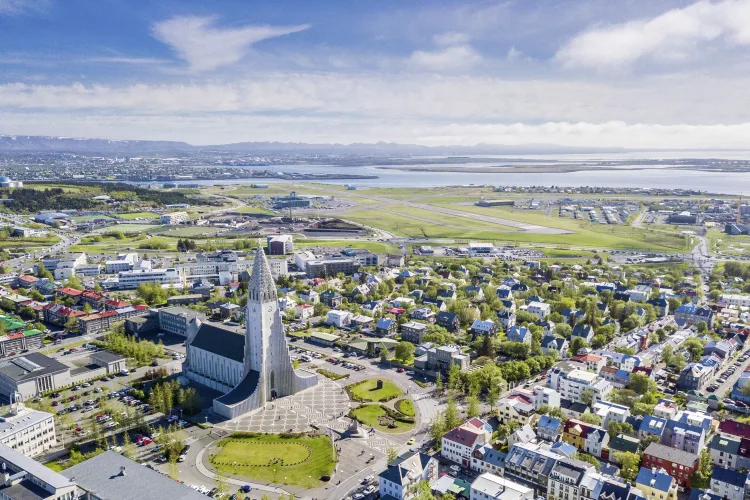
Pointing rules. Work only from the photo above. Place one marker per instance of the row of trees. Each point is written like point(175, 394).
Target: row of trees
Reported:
point(142, 351)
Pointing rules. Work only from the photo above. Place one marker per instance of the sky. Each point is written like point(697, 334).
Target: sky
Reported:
point(668, 74)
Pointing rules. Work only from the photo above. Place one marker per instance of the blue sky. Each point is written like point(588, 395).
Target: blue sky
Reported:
point(670, 74)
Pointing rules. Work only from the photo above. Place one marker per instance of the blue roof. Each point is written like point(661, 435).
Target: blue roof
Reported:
point(653, 425)
point(662, 480)
point(384, 323)
point(728, 476)
point(696, 494)
point(549, 423)
point(507, 303)
point(518, 333)
point(563, 448)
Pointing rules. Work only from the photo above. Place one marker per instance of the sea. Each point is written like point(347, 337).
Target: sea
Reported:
point(622, 176)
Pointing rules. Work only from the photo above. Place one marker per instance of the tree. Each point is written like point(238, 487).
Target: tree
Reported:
point(577, 344)
point(630, 464)
point(439, 382)
point(87, 308)
point(585, 457)
point(454, 377)
point(667, 354)
point(678, 363)
point(694, 347)
point(702, 327)
point(404, 352)
point(616, 428)
point(71, 325)
point(588, 397)
point(472, 408)
point(392, 453)
point(437, 429)
point(383, 355)
point(591, 418)
point(451, 415)
point(702, 475)
point(641, 384)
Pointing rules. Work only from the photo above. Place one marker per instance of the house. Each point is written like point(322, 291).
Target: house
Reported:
point(447, 294)
point(459, 443)
point(619, 379)
point(331, 298)
point(504, 292)
point(339, 318)
point(304, 311)
point(593, 362)
point(677, 463)
point(507, 318)
point(26, 281)
point(651, 426)
point(551, 343)
point(423, 314)
point(522, 435)
point(661, 306)
point(572, 480)
point(531, 464)
point(588, 438)
point(683, 436)
point(386, 327)
point(402, 474)
point(725, 451)
point(572, 382)
point(438, 303)
point(487, 459)
point(694, 376)
point(520, 334)
point(58, 314)
point(622, 361)
point(656, 484)
point(516, 407)
point(611, 412)
point(544, 396)
point(622, 443)
point(310, 296)
point(539, 309)
point(474, 292)
point(483, 328)
point(549, 428)
point(692, 314)
point(583, 331)
point(413, 332)
point(447, 320)
point(734, 428)
point(666, 408)
point(490, 486)
point(730, 484)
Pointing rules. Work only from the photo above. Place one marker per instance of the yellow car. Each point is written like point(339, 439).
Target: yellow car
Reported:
point(411, 441)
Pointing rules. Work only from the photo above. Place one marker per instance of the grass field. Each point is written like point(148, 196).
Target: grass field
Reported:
point(370, 416)
point(373, 246)
point(298, 461)
point(138, 215)
point(454, 220)
point(368, 391)
point(406, 407)
point(253, 210)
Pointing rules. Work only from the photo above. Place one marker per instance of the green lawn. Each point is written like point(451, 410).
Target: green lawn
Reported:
point(406, 406)
point(138, 215)
point(55, 466)
point(370, 415)
point(373, 246)
point(368, 390)
point(455, 220)
point(298, 461)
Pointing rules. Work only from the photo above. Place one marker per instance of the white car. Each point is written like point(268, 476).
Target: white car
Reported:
point(455, 468)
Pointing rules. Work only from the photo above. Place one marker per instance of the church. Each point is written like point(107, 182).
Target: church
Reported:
point(250, 367)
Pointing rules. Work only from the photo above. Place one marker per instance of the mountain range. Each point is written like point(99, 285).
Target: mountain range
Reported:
point(47, 144)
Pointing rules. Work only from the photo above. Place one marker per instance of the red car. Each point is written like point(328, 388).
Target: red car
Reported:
point(400, 370)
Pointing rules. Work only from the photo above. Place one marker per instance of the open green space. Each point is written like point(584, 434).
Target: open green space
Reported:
point(373, 415)
point(368, 390)
point(251, 209)
point(373, 246)
point(406, 406)
point(454, 220)
point(138, 215)
point(296, 460)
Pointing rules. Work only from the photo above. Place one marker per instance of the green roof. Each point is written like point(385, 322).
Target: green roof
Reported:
point(32, 332)
point(329, 337)
point(12, 324)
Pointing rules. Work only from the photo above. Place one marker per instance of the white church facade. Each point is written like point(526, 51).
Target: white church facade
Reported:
point(250, 367)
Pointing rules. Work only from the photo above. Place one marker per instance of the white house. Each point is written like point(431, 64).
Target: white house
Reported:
point(459, 443)
point(339, 318)
point(539, 309)
point(491, 487)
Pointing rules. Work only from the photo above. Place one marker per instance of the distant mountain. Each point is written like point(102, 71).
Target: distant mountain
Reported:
point(43, 144)
point(392, 149)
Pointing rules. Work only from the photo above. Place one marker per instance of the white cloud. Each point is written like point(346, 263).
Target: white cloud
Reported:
point(14, 7)
point(453, 58)
point(451, 38)
point(206, 47)
point(128, 60)
point(675, 35)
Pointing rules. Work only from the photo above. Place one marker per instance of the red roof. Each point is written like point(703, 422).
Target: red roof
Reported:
point(109, 314)
point(15, 335)
point(396, 310)
point(462, 436)
point(140, 307)
point(735, 428)
point(117, 303)
point(92, 294)
point(583, 358)
point(70, 291)
point(27, 278)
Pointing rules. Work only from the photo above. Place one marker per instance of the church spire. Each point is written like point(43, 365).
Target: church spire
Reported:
point(262, 286)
